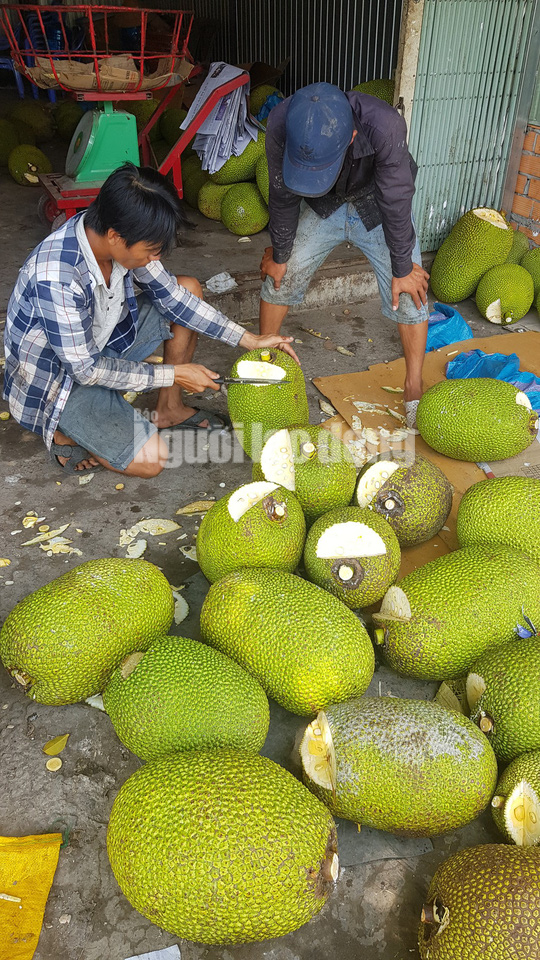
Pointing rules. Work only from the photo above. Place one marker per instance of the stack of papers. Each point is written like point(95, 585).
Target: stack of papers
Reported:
point(229, 127)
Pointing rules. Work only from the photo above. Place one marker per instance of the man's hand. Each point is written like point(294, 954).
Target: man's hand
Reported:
point(415, 283)
point(271, 269)
point(273, 341)
point(195, 377)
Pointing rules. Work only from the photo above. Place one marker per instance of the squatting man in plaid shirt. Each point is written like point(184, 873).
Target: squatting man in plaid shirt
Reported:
point(77, 337)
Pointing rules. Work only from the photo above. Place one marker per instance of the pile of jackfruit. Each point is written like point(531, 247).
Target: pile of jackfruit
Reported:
point(218, 844)
point(484, 256)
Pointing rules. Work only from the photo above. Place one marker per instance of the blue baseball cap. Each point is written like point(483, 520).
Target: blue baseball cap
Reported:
point(318, 130)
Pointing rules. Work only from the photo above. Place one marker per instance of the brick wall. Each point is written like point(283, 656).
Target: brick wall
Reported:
point(526, 206)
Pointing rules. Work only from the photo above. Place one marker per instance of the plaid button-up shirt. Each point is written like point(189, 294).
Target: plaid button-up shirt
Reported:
point(48, 337)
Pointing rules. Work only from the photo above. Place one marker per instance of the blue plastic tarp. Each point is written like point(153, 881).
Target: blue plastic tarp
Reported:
point(446, 325)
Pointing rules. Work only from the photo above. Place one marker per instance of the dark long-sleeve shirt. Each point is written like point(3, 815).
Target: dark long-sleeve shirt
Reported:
point(377, 176)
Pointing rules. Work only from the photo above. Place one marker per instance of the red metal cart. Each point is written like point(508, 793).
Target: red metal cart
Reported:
point(42, 45)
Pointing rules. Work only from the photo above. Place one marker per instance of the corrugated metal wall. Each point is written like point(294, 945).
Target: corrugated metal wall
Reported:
point(340, 41)
point(465, 101)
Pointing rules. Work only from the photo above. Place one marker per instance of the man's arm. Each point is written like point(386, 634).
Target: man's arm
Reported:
point(283, 206)
point(65, 319)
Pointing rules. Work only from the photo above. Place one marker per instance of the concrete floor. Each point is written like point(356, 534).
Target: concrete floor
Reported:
point(374, 911)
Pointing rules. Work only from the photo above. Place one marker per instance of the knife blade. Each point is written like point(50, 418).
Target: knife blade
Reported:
point(255, 380)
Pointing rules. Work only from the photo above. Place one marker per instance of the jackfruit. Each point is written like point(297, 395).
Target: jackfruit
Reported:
point(169, 124)
point(256, 410)
point(143, 111)
point(258, 525)
point(438, 620)
point(531, 263)
point(354, 554)
point(483, 904)
point(36, 116)
point(480, 239)
point(221, 847)
point(406, 766)
point(24, 133)
point(62, 642)
point(520, 246)
point(9, 139)
point(259, 95)
point(262, 177)
point(313, 463)
point(412, 494)
point(503, 690)
point(304, 646)
point(516, 803)
point(209, 199)
point(193, 178)
point(67, 116)
point(501, 510)
point(505, 293)
point(476, 419)
point(26, 162)
point(383, 89)
point(181, 695)
point(242, 168)
point(243, 210)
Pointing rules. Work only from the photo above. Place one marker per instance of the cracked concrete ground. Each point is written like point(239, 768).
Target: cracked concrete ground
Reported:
point(374, 910)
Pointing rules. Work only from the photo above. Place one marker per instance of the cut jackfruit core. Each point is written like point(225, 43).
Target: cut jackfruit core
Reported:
point(277, 462)
point(495, 315)
point(492, 216)
point(247, 496)
point(373, 479)
point(349, 540)
point(317, 753)
point(522, 815)
point(395, 606)
point(259, 370)
point(474, 689)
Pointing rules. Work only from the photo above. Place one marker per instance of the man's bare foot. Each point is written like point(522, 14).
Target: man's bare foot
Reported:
point(87, 464)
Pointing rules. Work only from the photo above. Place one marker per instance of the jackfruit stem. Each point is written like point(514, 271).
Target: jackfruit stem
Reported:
point(498, 802)
point(486, 724)
point(265, 355)
point(379, 636)
point(308, 450)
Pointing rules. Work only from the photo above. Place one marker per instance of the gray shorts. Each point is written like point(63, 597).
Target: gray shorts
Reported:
point(99, 419)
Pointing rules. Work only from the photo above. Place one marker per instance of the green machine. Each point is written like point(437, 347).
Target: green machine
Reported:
point(104, 140)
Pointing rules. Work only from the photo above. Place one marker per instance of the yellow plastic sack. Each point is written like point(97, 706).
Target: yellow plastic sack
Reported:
point(27, 867)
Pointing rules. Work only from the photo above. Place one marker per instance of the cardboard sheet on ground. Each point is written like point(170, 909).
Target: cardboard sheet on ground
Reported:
point(342, 390)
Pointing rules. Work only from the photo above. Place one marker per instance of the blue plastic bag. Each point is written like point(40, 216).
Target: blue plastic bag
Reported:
point(498, 366)
point(271, 101)
point(446, 325)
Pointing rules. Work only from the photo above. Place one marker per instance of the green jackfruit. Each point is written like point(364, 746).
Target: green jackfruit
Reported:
point(365, 759)
point(169, 124)
point(62, 642)
point(499, 510)
point(193, 178)
point(441, 617)
point(221, 847)
point(67, 116)
point(262, 177)
point(476, 419)
point(243, 210)
point(503, 690)
point(143, 111)
point(209, 199)
point(520, 246)
point(257, 525)
point(24, 132)
point(259, 95)
point(36, 116)
point(242, 168)
point(479, 240)
point(412, 494)
point(516, 803)
point(383, 89)
point(9, 139)
point(304, 646)
point(505, 293)
point(313, 463)
point(25, 162)
point(181, 695)
point(531, 263)
point(354, 554)
point(257, 410)
point(483, 904)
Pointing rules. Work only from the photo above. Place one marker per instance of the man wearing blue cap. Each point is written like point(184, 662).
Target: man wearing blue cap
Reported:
point(340, 171)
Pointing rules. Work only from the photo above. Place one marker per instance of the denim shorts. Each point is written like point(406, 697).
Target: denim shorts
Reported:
point(99, 419)
point(316, 238)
